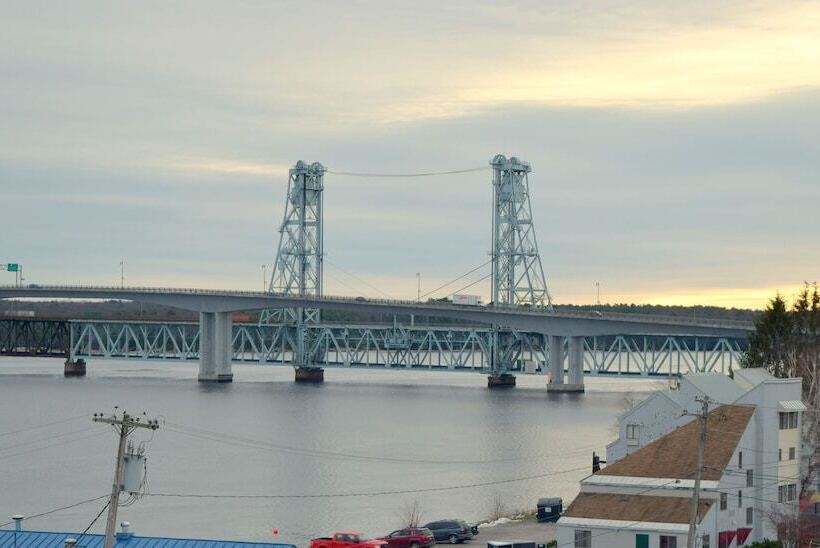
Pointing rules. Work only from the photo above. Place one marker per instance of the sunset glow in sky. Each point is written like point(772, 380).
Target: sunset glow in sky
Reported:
point(674, 145)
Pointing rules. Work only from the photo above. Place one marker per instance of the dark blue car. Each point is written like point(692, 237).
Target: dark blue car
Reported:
point(450, 530)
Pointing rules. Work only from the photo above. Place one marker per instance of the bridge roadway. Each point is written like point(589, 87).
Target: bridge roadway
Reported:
point(215, 308)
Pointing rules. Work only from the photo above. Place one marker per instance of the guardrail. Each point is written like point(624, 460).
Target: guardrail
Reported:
point(311, 300)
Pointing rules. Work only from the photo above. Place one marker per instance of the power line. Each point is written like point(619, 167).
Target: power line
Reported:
point(471, 284)
point(45, 425)
point(93, 521)
point(233, 440)
point(456, 279)
point(416, 174)
point(366, 493)
point(60, 509)
point(365, 282)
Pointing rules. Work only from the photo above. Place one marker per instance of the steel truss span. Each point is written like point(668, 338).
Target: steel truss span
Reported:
point(427, 348)
point(34, 337)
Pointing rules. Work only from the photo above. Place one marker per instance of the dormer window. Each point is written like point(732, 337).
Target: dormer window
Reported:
point(633, 432)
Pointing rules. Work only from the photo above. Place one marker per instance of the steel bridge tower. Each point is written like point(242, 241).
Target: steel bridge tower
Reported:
point(298, 266)
point(517, 276)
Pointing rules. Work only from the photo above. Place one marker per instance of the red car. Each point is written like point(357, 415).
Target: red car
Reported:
point(346, 539)
point(412, 537)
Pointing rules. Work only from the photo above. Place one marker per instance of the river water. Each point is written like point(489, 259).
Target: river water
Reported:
point(360, 432)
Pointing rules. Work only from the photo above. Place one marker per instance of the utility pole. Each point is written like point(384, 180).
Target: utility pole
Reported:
point(264, 278)
point(124, 424)
point(693, 513)
point(418, 287)
point(122, 274)
point(598, 293)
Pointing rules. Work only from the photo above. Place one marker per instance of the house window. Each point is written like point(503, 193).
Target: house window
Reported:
point(787, 493)
point(740, 499)
point(750, 478)
point(723, 499)
point(704, 541)
point(749, 515)
point(791, 453)
point(633, 432)
point(788, 421)
point(583, 538)
point(740, 459)
point(779, 454)
point(669, 541)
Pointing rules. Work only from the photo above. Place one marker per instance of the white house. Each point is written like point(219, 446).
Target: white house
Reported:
point(662, 412)
point(643, 500)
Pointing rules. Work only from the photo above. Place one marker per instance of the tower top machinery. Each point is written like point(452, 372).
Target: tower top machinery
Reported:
point(517, 274)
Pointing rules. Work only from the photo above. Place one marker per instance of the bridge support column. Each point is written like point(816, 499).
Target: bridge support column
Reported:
point(215, 347)
point(556, 345)
point(575, 371)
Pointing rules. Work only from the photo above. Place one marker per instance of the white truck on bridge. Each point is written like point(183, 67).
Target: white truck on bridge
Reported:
point(469, 300)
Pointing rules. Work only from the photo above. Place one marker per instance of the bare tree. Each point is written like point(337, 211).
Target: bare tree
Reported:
point(410, 515)
point(795, 528)
point(498, 510)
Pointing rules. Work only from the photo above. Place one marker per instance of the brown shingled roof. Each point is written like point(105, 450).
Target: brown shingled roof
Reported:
point(642, 508)
point(675, 454)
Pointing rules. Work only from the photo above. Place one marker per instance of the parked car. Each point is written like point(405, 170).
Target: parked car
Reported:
point(411, 537)
point(346, 539)
point(450, 530)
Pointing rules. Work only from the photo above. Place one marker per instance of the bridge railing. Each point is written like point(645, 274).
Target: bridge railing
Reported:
point(310, 300)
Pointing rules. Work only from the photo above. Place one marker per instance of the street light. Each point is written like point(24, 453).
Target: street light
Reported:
point(264, 277)
point(122, 274)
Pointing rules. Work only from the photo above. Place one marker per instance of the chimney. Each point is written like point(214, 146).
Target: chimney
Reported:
point(125, 531)
point(70, 543)
point(18, 522)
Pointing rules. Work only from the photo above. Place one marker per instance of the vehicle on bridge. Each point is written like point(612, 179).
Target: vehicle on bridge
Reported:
point(468, 300)
point(411, 537)
point(347, 539)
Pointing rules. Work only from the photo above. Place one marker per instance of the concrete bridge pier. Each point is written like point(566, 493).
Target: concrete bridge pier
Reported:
point(556, 346)
point(575, 369)
point(215, 347)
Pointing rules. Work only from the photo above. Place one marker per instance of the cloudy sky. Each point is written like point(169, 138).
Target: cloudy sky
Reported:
point(675, 145)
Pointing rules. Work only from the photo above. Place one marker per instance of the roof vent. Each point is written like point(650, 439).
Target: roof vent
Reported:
point(70, 543)
point(125, 531)
point(18, 522)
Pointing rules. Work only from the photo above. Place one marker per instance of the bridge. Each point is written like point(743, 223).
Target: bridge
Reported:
point(519, 332)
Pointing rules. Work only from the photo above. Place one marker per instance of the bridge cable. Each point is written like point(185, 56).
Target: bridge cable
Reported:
point(405, 175)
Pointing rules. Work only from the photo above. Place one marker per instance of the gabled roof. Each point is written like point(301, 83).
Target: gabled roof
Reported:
point(717, 386)
point(41, 539)
point(674, 455)
point(642, 508)
point(749, 377)
point(671, 395)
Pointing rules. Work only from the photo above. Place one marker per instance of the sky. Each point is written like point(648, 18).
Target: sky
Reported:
point(674, 145)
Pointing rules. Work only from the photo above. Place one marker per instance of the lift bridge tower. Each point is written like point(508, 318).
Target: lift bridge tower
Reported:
point(298, 266)
point(517, 274)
